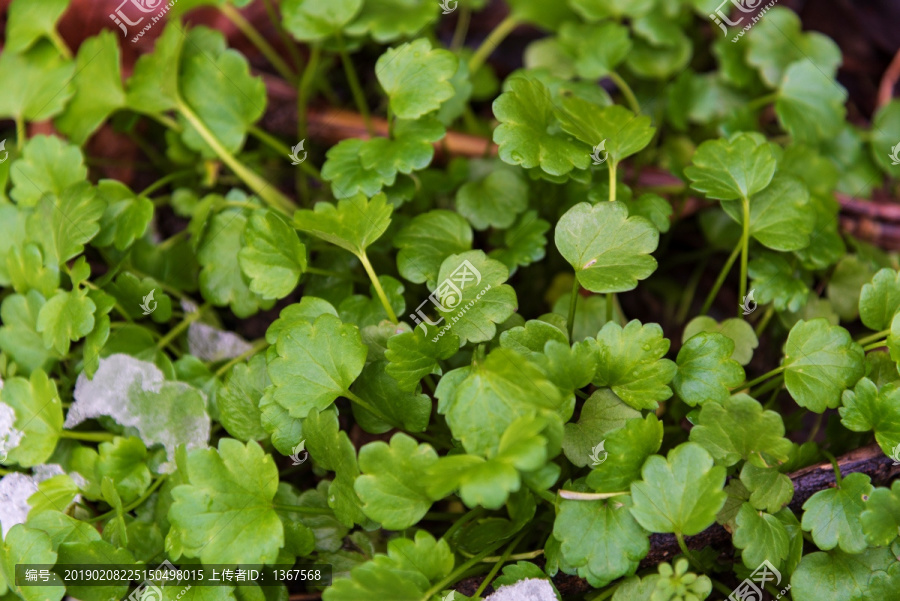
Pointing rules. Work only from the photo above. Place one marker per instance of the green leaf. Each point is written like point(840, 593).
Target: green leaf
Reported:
point(655, 209)
point(525, 242)
point(36, 420)
point(387, 20)
point(681, 494)
point(481, 401)
point(416, 77)
point(739, 429)
point(600, 538)
point(63, 225)
point(832, 515)
point(65, 318)
point(29, 21)
point(810, 104)
point(527, 131)
point(845, 285)
point(882, 142)
point(410, 148)
point(609, 250)
point(596, 50)
point(27, 271)
point(776, 281)
point(868, 408)
point(238, 400)
point(706, 371)
point(221, 279)
point(272, 258)
point(771, 490)
point(820, 361)
point(36, 84)
point(311, 21)
point(153, 85)
point(738, 330)
point(126, 216)
point(781, 216)
point(881, 518)
point(632, 363)
point(602, 413)
point(400, 408)
point(124, 461)
point(777, 42)
point(623, 133)
point(731, 169)
point(473, 297)
point(495, 199)
point(879, 300)
point(760, 537)
point(837, 576)
point(48, 165)
point(24, 545)
point(312, 364)
point(412, 356)
point(427, 240)
point(393, 484)
point(595, 10)
point(215, 82)
point(678, 583)
point(224, 513)
point(19, 337)
point(344, 169)
point(353, 225)
point(98, 88)
point(627, 448)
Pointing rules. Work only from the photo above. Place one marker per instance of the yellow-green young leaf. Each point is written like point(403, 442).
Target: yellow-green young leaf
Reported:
point(32, 430)
point(770, 489)
point(312, 364)
point(600, 539)
point(675, 581)
point(53, 494)
point(98, 88)
point(739, 429)
point(224, 513)
point(868, 408)
point(31, 20)
point(36, 84)
point(65, 318)
point(393, 484)
point(216, 83)
point(731, 169)
point(153, 85)
point(272, 258)
point(627, 448)
point(239, 399)
point(609, 250)
point(632, 363)
point(27, 270)
point(125, 218)
point(312, 21)
point(24, 545)
point(19, 337)
point(832, 515)
point(388, 20)
point(353, 225)
point(602, 413)
point(880, 299)
point(427, 240)
point(820, 361)
point(623, 133)
point(48, 165)
point(124, 461)
point(781, 216)
point(413, 355)
point(416, 77)
point(760, 537)
point(63, 225)
point(706, 371)
point(526, 132)
point(680, 494)
point(810, 104)
point(344, 169)
point(410, 148)
point(881, 518)
point(738, 330)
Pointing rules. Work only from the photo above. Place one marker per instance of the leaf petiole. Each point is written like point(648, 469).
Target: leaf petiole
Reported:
point(721, 279)
point(745, 246)
point(87, 436)
point(762, 378)
point(873, 337)
point(627, 92)
point(259, 41)
point(355, 88)
point(573, 302)
point(503, 29)
point(364, 259)
point(574, 495)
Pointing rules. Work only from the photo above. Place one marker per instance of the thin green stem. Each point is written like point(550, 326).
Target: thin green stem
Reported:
point(503, 559)
point(467, 517)
point(816, 426)
point(610, 307)
point(875, 345)
point(503, 29)
point(181, 327)
point(87, 436)
point(60, 44)
point(613, 165)
point(873, 337)
point(720, 280)
point(455, 574)
point(836, 466)
point(302, 509)
point(515, 557)
point(462, 28)
point(259, 41)
point(164, 181)
point(257, 184)
point(721, 587)
point(136, 503)
point(608, 592)
point(581, 395)
point(282, 149)
point(364, 259)
point(745, 246)
point(574, 495)
point(762, 378)
point(355, 88)
point(761, 101)
point(627, 92)
point(687, 298)
point(767, 316)
point(21, 132)
point(368, 407)
point(282, 33)
point(573, 303)
point(303, 92)
point(253, 350)
point(770, 385)
point(687, 552)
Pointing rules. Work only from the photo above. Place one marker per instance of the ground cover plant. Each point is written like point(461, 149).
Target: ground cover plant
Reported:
point(623, 352)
